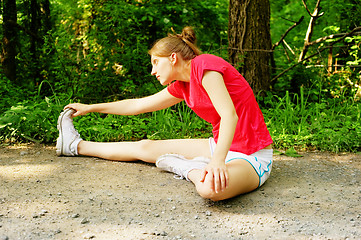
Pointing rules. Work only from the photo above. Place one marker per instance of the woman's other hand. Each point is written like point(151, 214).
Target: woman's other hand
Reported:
point(218, 174)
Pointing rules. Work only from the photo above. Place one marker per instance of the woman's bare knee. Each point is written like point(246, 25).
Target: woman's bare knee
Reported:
point(144, 144)
point(209, 193)
point(205, 190)
point(146, 150)
point(206, 193)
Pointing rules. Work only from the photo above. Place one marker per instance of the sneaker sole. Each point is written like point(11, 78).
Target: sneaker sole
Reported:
point(59, 141)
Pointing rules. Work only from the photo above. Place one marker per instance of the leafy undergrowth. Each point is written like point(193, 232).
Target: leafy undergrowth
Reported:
point(330, 125)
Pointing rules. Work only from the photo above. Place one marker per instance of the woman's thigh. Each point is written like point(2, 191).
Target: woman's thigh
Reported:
point(243, 177)
point(189, 148)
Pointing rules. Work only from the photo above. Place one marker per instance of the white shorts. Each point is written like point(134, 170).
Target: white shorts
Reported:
point(261, 161)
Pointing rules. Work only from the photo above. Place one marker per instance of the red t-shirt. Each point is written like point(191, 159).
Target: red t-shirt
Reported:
point(251, 133)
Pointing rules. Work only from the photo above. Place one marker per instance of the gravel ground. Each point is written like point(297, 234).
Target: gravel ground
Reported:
point(43, 196)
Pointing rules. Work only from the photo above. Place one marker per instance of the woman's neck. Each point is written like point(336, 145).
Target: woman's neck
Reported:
point(184, 71)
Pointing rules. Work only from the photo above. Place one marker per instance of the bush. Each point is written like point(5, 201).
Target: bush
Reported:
point(328, 125)
point(9, 93)
point(30, 121)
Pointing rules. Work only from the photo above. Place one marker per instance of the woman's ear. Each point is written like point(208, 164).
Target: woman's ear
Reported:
point(173, 58)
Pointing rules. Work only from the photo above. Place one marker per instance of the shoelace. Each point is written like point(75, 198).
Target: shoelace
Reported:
point(74, 131)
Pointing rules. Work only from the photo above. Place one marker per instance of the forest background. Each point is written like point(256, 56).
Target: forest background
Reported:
point(93, 51)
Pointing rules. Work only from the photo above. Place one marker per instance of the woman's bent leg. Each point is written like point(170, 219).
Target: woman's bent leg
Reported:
point(242, 179)
point(145, 150)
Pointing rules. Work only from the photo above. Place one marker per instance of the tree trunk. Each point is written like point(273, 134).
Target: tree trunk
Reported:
point(34, 28)
point(9, 40)
point(45, 12)
point(250, 41)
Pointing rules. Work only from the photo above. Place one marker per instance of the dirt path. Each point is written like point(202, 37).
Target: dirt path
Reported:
point(47, 197)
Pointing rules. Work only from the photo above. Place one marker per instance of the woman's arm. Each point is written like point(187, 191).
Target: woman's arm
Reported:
point(158, 101)
point(214, 84)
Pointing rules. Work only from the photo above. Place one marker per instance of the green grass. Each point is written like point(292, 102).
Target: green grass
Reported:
point(330, 125)
point(171, 123)
point(294, 122)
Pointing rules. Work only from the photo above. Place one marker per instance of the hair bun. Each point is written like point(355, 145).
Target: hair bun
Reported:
point(184, 44)
point(189, 34)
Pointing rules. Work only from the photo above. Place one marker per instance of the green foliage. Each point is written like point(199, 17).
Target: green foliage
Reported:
point(341, 84)
point(355, 52)
point(172, 123)
point(99, 48)
point(30, 121)
point(332, 124)
point(9, 93)
point(339, 17)
point(35, 120)
point(96, 51)
point(291, 152)
point(179, 122)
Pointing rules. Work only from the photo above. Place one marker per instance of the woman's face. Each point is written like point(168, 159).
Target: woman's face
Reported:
point(162, 68)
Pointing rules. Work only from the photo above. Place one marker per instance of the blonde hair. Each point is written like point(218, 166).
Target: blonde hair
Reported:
point(184, 44)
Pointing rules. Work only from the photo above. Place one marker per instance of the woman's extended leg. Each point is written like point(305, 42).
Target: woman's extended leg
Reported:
point(145, 150)
point(242, 179)
point(69, 143)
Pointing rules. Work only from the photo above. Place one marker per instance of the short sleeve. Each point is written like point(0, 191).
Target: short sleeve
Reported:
point(176, 89)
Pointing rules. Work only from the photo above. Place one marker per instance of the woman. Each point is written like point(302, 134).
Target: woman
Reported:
point(238, 158)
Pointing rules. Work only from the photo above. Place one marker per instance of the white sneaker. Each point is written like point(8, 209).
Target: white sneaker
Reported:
point(69, 138)
point(180, 165)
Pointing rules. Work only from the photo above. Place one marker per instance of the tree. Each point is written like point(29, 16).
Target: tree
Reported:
point(9, 39)
point(314, 16)
point(250, 41)
point(39, 24)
